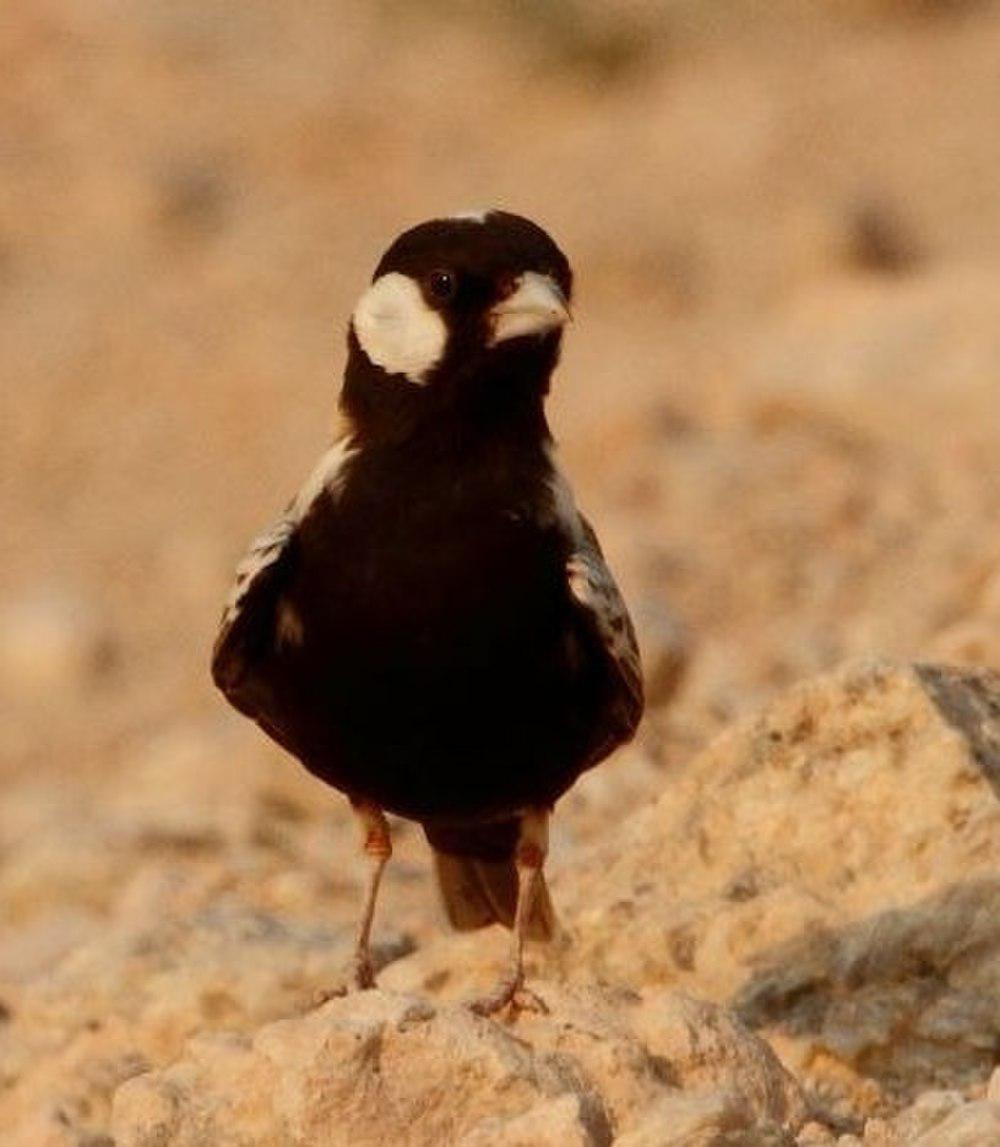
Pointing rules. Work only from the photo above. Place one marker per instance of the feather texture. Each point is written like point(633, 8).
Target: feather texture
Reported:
point(253, 619)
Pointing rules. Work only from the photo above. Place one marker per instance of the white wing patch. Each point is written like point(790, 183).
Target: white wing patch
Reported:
point(398, 330)
point(263, 551)
point(593, 588)
point(268, 546)
point(288, 628)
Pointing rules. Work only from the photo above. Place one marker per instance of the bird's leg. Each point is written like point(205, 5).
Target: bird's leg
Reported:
point(529, 857)
point(377, 846)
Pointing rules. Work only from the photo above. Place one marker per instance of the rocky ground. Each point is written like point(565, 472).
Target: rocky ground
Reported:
point(780, 908)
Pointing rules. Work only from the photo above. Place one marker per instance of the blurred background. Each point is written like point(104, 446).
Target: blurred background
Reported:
point(780, 402)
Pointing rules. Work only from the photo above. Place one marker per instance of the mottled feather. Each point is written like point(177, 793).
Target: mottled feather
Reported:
point(253, 619)
point(596, 594)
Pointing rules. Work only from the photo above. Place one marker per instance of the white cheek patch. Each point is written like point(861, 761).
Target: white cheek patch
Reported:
point(397, 329)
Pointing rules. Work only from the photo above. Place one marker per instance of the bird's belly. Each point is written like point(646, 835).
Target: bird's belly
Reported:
point(453, 693)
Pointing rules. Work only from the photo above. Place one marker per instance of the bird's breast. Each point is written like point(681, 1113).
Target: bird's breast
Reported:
point(440, 589)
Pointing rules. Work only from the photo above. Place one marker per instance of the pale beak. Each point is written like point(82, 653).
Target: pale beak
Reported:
point(535, 306)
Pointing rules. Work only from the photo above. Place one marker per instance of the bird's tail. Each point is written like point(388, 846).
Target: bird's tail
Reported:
point(478, 879)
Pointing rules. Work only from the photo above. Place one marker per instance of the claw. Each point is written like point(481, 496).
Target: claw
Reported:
point(502, 995)
point(525, 1000)
point(512, 993)
point(360, 977)
point(323, 995)
point(528, 858)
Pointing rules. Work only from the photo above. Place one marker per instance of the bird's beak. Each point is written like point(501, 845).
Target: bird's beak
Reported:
point(535, 306)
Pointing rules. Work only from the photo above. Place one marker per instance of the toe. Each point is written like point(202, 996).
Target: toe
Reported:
point(324, 995)
point(497, 1000)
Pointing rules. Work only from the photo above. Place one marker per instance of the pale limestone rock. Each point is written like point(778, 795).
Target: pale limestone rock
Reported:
point(360, 1070)
point(596, 1029)
point(705, 1119)
point(815, 1134)
point(972, 1125)
point(49, 641)
point(375, 1066)
point(557, 1122)
point(928, 1111)
point(665, 646)
point(795, 820)
point(708, 1048)
point(689, 1119)
point(831, 866)
point(859, 353)
point(27, 950)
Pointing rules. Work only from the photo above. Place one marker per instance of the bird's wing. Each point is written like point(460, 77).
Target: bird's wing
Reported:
point(602, 611)
point(252, 620)
point(597, 596)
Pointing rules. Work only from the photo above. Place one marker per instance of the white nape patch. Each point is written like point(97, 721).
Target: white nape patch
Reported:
point(397, 329)
point(477, 216)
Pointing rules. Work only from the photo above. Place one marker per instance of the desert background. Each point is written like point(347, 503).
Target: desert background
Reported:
point(780, 405)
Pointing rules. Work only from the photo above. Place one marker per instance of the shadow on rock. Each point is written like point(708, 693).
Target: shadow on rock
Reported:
point(910, 996)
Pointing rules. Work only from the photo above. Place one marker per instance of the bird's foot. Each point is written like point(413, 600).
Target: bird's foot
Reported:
point(323, 995)
point(509, 992)
point(362, 971)
point(360, 977)
point(525, 1000)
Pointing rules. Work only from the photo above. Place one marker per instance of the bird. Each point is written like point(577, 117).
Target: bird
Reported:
point(430, 627)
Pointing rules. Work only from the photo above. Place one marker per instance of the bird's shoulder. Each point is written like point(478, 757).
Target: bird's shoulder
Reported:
point(252, 616)
point(272, 545)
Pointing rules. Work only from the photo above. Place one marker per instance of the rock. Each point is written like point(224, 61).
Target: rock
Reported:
point(971, 702)
point(814, 1134)
point(921, 1117)
point(781, 872)
point(34, 947)
point(665, 646)
point(859, 353)
point(550, 1123)
point(50, 641)
point(708, 1048)
point(936, 1119)
point(356, 1071)
point(699, 1121)
point(377, 1064)
point(973, 1125)
point(792, 869)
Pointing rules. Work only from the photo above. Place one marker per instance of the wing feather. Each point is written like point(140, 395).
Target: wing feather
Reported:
point(602, 609)
point(254, 619)
point(594, 590)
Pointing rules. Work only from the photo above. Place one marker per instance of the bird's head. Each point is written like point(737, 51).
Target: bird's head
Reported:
point(462, 314)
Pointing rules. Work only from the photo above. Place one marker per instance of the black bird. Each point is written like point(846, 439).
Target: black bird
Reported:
point(430, 627)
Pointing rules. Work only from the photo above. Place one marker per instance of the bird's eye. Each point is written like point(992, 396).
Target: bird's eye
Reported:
point(441, 285)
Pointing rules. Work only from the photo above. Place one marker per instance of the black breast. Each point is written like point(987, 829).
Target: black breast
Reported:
point(440, 671)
